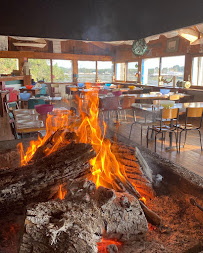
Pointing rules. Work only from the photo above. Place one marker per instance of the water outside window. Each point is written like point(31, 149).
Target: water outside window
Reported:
point(40, 69)
point(150, 71)
point(173, 66)
point(87, 71)
point(7, 65)
point(197, 71)
point(105, 71)
point(120, 71)
point(62, 71)
point(132, 71)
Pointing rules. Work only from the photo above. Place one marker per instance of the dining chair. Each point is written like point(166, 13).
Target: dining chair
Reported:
point(110, 105)
point(33, 102)
point(191, 114)
point(126, 104)
point(143, 120)
point(11, 100)
point(167, 115)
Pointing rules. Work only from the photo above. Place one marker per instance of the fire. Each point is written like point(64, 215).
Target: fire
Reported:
point(61, 193)
point(143, 199)
point(104, 243)
point(105, 167)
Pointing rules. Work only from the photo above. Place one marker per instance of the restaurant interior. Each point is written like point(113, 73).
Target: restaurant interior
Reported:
point(101, 134)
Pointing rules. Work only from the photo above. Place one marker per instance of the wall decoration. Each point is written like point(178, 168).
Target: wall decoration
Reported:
point(3, 43)
point(172, 45)
point(139, 47)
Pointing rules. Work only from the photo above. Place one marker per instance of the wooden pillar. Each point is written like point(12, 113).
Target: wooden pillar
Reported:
point(139, 70)
point(188, 67)
point(75, 71)
point(20, 64)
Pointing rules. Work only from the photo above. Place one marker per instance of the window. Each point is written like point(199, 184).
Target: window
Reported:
point(87, 71)
point(7, 65)
point(40, 69)
point(150, 71)
point(173, 66)
point(104, 71)
point(197, 71)
point(132, 71)
point(62, 71)
point(120, 71)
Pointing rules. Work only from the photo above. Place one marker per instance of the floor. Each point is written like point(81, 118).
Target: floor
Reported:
point(190, 156)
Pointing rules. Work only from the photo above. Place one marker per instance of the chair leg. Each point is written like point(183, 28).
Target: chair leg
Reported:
point(176, 137)
point(131, 130)
point(185, 137)
point(162, 138)
point(155, 142)
point(200, 136)
point(147, 137)
point(180, 140)
point(141, 135)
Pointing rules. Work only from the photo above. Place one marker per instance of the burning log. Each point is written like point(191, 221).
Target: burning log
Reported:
point(77, 223)
point(40, 181)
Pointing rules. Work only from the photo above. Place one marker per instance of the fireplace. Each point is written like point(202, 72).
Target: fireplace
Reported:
point(77, 191)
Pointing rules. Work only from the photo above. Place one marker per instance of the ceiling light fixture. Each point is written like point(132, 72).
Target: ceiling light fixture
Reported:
point(189, 34)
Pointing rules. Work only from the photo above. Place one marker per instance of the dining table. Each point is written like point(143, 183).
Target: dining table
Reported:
point(33, 91)
point(155, 109)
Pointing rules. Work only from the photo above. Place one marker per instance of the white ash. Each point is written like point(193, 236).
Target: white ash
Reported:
point(78, 222)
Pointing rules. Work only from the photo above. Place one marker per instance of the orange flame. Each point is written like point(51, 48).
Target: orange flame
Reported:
point(105, 166)
point(104, 243)
point(61, 193)
point(143, 199)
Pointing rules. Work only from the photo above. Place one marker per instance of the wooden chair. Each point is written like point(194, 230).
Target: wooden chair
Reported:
point(163, 128)
point(191, 113)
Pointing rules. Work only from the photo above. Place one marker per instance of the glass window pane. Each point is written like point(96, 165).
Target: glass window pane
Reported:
point(40, 69)
point(87, 71)
point(7, 65)
point(132, 71)
point(173, 66)
point(150, 71)
point(120, 71)
point(104, 71)
point(62, 71)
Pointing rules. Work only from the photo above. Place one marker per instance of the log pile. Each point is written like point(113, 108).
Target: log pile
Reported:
point(40, 181)
point(77, 223)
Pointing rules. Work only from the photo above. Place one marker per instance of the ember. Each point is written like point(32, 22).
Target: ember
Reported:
point(61, 193)
point(102, 246)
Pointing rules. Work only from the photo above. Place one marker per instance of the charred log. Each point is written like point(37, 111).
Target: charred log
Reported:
point(40, 181)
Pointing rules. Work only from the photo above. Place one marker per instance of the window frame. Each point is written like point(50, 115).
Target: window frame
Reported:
point(159, 66)
point(198, 70)
point(18, 64)
point(52, 79)
point(127, 71)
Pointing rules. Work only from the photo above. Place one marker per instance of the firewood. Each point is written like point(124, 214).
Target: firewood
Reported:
point(151, 216)
point(67, 137)
point(39, 181)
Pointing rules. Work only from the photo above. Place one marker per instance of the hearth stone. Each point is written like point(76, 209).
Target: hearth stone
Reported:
point(78, 222)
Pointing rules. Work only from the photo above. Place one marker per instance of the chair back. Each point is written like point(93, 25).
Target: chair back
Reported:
point(33, 102)
point(103, 92)
point(50, 90)
point(110, 103)
point(43, 91)
point(171, 113)
point(127, 102)
point(194, 112)
point(13, 96)
point(174, 97)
